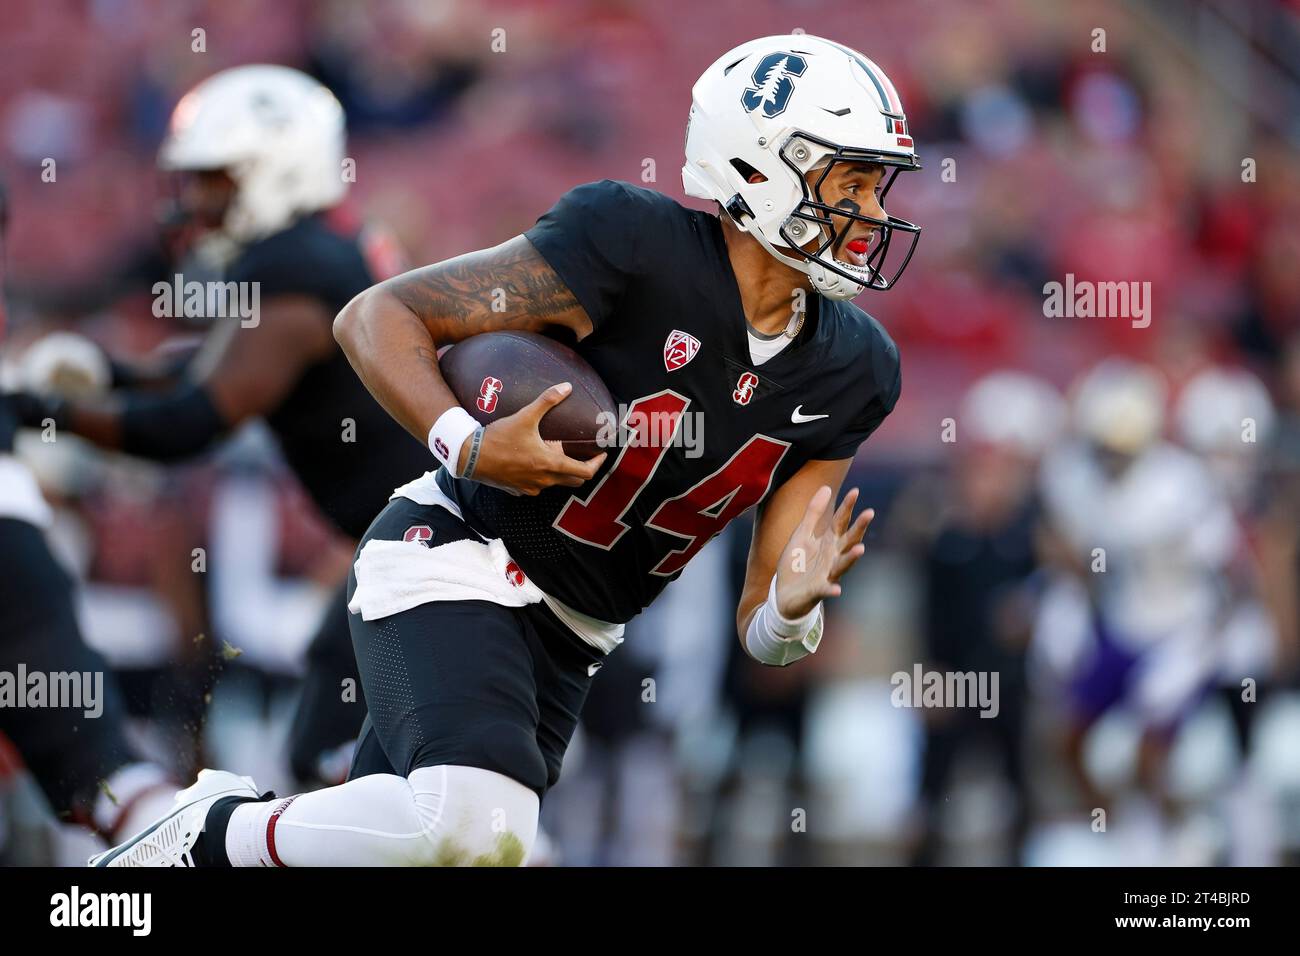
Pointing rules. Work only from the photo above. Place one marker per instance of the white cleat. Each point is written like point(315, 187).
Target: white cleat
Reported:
point(171, 838)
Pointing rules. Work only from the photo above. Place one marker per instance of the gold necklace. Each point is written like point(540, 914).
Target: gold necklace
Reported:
point(798, 327)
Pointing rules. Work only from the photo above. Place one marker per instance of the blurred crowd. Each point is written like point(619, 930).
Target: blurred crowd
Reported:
point(1158, 690)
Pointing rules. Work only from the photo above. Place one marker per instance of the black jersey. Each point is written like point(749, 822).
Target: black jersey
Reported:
point(716, 433)
point(350, 480)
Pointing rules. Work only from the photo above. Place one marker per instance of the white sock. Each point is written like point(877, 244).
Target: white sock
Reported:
point(250, 833)
point(439, 816)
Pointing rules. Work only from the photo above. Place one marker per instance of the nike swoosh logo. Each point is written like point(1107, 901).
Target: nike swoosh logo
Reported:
point(797, 416)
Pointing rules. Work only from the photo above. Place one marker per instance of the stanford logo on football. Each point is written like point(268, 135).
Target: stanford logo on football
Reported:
point(419, 533)
point(488, 392)
point(679, 349)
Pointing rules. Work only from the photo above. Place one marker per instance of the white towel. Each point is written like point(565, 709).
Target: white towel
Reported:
point(395, 576)
point(425, 491)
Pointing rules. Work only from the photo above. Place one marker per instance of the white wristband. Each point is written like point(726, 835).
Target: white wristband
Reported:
point(448, 434)
point(773, 639)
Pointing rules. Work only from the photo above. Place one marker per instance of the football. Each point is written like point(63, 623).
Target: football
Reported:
point(496, 374)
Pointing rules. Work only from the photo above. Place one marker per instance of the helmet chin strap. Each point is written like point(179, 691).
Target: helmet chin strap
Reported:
point(828, 283)
point(832, 284)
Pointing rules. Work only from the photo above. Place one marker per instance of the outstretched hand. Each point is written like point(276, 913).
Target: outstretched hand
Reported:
point(820, 550)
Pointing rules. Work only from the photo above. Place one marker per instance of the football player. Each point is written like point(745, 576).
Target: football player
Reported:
point(979, 572)
point(1138, 596)
point(1226, 416)
point(485, 597)
point(257, 153)
point(86, 767)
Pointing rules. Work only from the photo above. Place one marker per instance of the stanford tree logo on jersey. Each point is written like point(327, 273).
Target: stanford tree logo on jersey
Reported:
point(419, 533)
point(745, 388)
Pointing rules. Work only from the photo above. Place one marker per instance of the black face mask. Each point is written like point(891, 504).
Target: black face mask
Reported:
point(881, 269)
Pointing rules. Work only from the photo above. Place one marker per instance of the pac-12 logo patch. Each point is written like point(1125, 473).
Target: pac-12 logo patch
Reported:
point(773, 84)
point(487, 394)
point(419, 533)
point(679, 349)
point(745, 388)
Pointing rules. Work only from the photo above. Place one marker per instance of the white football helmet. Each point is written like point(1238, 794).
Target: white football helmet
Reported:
point(1119, 405)
point(1214, 408)
point(1226, 416)
point(276, 132)
point(783, 106)
point(1014, 410)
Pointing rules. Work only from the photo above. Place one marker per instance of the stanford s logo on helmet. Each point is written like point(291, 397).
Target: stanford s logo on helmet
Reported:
point(785, 107)
point(772, 83)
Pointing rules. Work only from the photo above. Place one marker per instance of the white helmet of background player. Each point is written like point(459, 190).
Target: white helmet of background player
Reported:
point(276, 132)
point(1226, 416)
point(1013, 410)
point(1224, 412)
point(782, 106)
point(1119, 406)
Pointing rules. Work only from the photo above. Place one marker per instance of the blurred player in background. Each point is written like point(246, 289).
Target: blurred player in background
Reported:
point(1226, 417)
point(89, 771)
point(257, 153)
point(979, 560)
point(1148, 566)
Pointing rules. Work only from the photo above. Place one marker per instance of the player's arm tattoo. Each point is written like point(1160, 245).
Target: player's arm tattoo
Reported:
point(507, 287)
